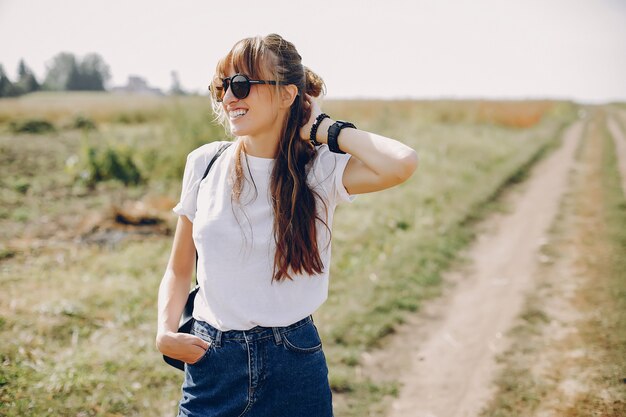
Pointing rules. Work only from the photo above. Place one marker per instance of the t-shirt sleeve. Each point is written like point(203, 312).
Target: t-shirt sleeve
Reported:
point(197, 161)
point(328, 173)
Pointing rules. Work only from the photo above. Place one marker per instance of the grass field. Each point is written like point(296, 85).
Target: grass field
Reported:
point(77, 321)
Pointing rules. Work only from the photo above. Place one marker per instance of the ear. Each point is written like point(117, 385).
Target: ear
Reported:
point(288, 93)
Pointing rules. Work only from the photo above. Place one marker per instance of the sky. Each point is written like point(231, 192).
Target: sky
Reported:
point(391, 49)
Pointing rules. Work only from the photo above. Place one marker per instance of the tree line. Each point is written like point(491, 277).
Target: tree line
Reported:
point(65, 72)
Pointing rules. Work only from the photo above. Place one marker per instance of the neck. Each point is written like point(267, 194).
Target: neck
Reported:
point(264, 144)
point(260, 147)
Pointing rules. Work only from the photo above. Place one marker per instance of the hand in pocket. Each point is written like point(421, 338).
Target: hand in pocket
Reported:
point(183, 346)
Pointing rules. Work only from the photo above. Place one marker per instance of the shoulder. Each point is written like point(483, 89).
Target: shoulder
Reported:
point(200, 157)
point(327, 169)
point(323, 155)
point(326, 161)
point(207, 150)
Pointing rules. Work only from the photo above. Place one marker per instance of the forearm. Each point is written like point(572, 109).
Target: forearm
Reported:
point(385, 156)
point(173, 293)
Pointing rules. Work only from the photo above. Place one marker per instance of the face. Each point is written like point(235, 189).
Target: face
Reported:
point(262, 110)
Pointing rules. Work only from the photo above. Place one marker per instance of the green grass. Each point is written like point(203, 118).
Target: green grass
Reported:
point(79, 322)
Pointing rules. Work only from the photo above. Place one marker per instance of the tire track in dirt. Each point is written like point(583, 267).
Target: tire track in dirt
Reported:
point(450, 373)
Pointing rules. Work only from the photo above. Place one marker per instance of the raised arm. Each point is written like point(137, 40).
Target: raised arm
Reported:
point(377, 162)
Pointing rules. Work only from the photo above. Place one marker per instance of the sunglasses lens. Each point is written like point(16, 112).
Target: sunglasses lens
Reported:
point(240, 86)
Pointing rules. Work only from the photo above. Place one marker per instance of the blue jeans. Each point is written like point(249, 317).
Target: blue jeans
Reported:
point(261, 372)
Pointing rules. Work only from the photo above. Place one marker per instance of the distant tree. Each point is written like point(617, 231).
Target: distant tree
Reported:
point(22, 69)
point(94, 72)
point(27, 82)
point(7, 89)
point(4, 82)
point(65, 72)
point(59, 70)
point(176, 89)
point(74, 80)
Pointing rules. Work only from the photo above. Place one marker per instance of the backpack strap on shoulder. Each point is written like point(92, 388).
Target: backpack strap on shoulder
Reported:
point(217, 155)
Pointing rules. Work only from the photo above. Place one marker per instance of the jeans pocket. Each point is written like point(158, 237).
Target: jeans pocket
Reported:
point(303, 339)
point(202, 335)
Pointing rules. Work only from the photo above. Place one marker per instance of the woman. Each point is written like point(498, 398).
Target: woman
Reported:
point(261, 222)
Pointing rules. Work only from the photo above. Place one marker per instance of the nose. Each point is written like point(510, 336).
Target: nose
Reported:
point(229, 97)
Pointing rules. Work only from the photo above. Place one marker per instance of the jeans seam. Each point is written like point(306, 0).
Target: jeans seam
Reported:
point(249, 402)
point(288, 344)
point(302, 350)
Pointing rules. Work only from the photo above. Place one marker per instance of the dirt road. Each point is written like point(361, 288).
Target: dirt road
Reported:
point(450, 372)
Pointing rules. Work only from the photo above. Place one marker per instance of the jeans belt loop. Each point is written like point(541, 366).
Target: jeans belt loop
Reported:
point(277, 335)
point(218, 339)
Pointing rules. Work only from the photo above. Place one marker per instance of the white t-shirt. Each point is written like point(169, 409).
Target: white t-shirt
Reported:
point(235, 263)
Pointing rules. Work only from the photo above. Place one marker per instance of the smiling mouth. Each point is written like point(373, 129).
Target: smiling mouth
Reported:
point(237, 115)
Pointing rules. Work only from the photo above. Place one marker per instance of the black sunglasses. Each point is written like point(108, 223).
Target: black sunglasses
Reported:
point(240, 85)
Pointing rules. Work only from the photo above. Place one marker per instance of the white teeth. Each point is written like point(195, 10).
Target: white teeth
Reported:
point(236, 113)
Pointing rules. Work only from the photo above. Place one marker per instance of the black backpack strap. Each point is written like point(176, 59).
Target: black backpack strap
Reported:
point(217, 155)
point(221, 149)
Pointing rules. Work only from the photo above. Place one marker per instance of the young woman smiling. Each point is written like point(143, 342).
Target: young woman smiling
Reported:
point(261, 223)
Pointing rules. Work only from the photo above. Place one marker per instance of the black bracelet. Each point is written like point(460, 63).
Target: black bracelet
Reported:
point(333, 133)
point(316, 124)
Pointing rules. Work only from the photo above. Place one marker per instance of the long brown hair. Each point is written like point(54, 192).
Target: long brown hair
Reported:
point(294, 202)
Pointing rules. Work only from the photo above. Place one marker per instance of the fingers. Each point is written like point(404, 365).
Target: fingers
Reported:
point(310, 102)
point(195, 354)
point(194, 340)
point(202, 343)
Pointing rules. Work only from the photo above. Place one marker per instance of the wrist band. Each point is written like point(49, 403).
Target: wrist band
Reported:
point(333, 133)
point(316, 124)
